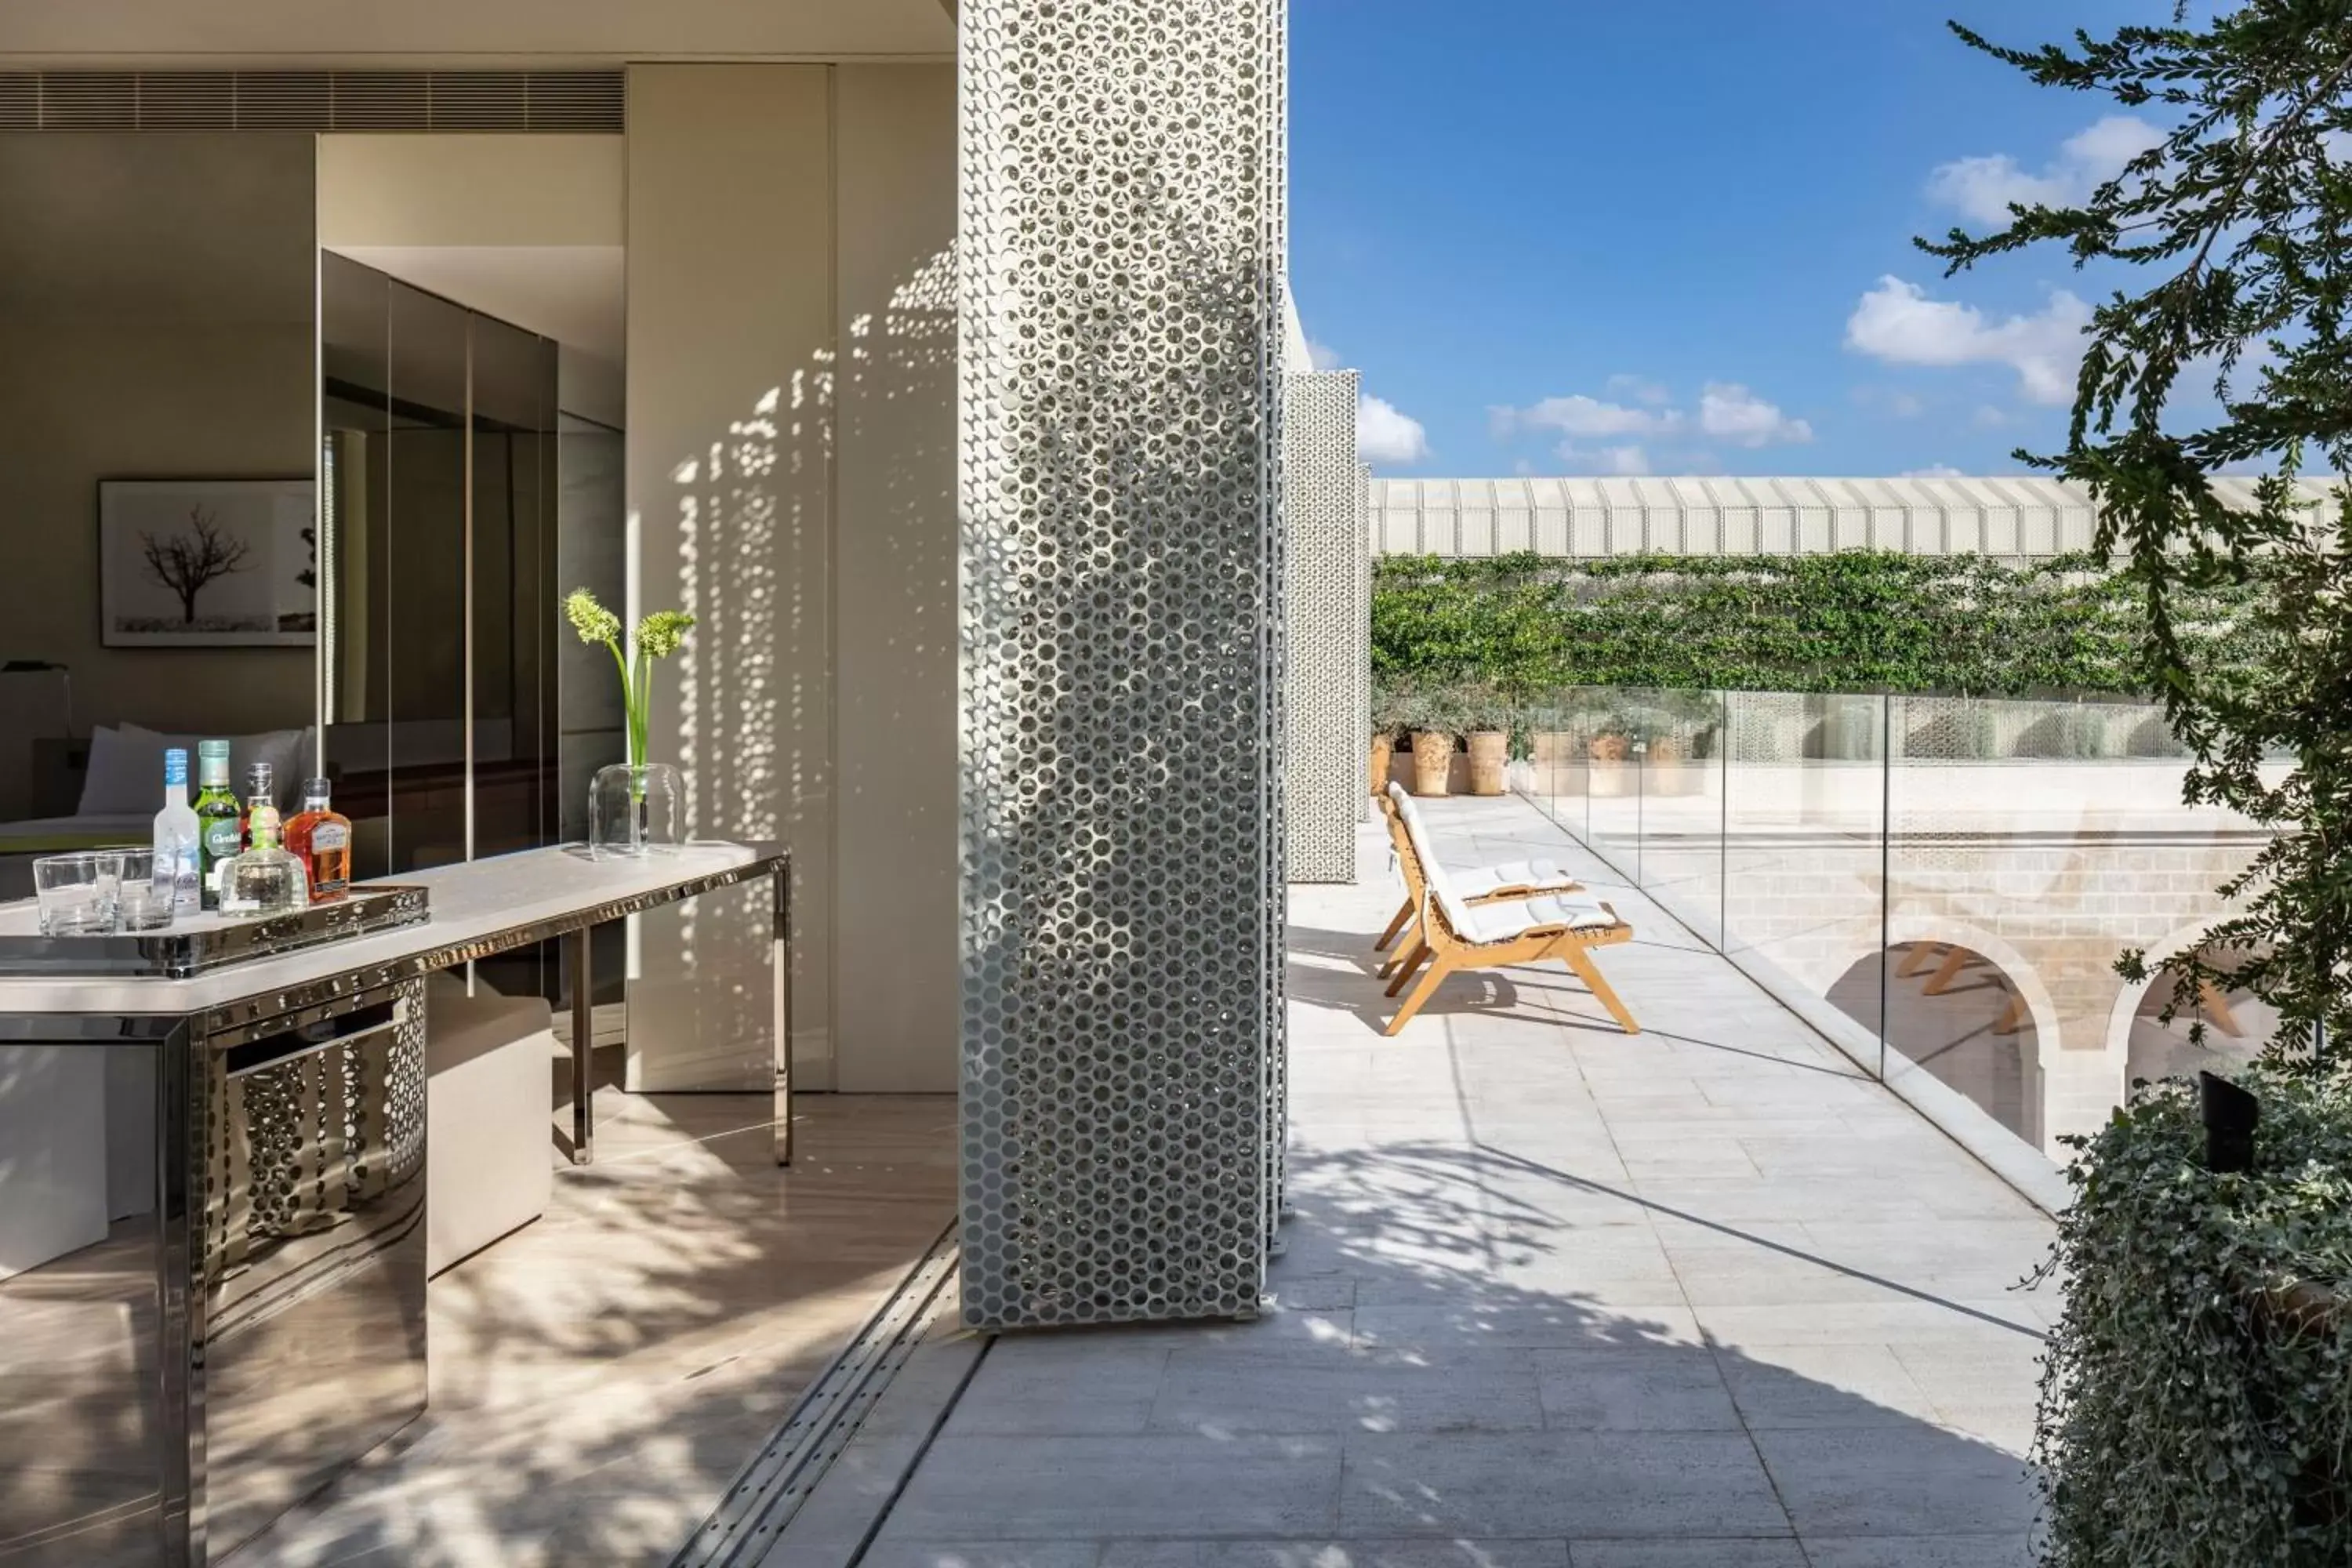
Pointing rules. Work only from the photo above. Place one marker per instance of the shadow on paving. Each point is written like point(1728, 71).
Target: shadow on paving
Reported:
point(1480, 1353)
point(602, 1373)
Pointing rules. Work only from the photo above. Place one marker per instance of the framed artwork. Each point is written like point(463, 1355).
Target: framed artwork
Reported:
point(207, 563)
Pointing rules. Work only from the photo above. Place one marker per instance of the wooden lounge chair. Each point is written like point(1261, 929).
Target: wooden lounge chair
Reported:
point(1409, 836)
point(1456, 934)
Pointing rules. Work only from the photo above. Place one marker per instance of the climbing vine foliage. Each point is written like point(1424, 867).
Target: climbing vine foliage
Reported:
point(1853, 621)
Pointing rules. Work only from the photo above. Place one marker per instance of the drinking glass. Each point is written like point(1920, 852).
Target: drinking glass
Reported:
point(76, 893)
point(141, 903)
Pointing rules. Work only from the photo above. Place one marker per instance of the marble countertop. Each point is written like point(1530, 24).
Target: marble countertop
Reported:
point(470, 903)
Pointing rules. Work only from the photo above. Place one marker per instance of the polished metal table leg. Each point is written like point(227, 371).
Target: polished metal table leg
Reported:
point(584, 1046)
point(780, 933)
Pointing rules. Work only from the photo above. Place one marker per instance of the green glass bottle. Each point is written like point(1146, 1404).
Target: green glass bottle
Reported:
point(220, 832)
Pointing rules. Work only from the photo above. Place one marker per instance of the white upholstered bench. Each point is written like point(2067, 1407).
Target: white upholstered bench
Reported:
point(490, 1161)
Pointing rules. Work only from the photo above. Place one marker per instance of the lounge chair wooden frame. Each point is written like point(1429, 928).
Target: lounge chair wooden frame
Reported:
point(1403, 922)
point(1447, 952)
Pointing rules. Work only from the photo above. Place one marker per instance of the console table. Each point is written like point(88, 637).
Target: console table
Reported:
point(242, 1314)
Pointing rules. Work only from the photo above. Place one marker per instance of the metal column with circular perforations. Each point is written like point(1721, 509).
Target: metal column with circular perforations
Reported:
point(1120, 247)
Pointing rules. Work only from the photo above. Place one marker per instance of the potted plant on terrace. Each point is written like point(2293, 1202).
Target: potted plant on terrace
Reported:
point(1435, 720)
point(1486, 715)
point(1612, 765)
point(1394, 707)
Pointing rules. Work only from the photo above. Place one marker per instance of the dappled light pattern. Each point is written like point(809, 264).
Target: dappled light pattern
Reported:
point(599, 1374)
point(1702, 1298)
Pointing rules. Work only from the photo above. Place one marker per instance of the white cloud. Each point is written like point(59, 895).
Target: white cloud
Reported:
point(1323, 356)
point(1932, 471)
point(1984, 189)
point(1641, 389)
point(1385, 435)
point(1988, 417)
point(1578, 416)
point(1898, 323)
point(1624, 458)
point(1732, 413)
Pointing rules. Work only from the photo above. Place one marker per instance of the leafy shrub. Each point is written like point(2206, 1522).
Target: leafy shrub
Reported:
point(1853, 621)
point(2185, 1422)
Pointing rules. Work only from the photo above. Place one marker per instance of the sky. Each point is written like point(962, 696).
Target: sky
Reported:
point(1673, 236)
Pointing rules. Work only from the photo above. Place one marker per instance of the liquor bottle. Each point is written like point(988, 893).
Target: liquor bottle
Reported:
point(264, 879)
point(260, 791)
point(219, 828)
point(179, 839)
point(320, 837)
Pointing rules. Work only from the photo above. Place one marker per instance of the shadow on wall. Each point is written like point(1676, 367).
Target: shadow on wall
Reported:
point(760, 710)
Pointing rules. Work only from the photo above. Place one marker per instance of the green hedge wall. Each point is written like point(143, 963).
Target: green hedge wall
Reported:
point(1853, 621)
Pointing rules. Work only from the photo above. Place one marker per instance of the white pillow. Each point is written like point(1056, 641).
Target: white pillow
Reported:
point(126, 766)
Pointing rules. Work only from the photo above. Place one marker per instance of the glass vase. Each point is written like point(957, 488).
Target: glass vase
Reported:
point(634, 809)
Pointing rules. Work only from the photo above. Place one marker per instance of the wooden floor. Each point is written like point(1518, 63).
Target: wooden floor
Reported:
point(600, 1375)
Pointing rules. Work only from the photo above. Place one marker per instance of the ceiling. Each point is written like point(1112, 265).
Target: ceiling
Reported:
point(120, 34)
point(573, 293)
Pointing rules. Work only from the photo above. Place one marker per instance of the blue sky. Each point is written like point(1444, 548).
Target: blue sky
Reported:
point(1673, 236)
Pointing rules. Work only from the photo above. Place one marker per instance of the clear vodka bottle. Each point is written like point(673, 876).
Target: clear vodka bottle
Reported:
point(179, 841)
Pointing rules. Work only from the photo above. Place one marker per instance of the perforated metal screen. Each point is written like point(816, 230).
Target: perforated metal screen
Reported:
point(1120, 247)
point(1326, 687)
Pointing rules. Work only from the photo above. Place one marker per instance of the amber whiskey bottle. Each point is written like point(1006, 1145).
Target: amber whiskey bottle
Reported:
point(320, 837)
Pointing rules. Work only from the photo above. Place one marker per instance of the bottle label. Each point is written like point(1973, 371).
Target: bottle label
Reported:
point(224, 837)
point(330, 835)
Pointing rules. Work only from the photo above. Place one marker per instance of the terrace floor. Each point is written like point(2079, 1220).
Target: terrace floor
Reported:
point(1705, 1297)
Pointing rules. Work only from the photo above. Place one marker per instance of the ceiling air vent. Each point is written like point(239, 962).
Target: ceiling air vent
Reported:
point(187, 101)
point(577, 100)
point(90, 100)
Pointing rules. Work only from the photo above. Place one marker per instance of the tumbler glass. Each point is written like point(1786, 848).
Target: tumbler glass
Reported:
point(76, 893)
point(141, 903)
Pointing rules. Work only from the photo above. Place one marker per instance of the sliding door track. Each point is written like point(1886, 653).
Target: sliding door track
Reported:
point(769, 1489)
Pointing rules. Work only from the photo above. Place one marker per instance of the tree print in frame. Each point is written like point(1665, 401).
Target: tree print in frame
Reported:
point(207, 563)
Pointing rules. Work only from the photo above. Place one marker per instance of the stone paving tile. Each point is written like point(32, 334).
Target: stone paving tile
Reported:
point(1920, 1551)
point(1659, 1390)
point(1816, 1385)
point(1327, 1395)
point(1781, 1553)
point(1049, 1488)
point(1556, 1483)
point(1912, 1479)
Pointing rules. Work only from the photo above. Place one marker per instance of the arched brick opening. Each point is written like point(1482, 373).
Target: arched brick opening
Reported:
point(2142, 1048)
point(1975, 1021)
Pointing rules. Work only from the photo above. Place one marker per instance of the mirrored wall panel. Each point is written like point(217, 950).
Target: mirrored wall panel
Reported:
point(438, 672)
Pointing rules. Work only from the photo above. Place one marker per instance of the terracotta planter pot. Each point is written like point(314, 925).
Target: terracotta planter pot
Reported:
point(1490, 761)
point(1610, 748)
point(1669, 772)
point(1432, 758)
point(1383, 756)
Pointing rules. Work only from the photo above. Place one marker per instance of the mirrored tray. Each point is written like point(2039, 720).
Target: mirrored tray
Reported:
point(209, 941)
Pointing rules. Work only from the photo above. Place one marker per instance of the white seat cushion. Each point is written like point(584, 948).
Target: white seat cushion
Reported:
point(1485, 879)
point(1500, 922)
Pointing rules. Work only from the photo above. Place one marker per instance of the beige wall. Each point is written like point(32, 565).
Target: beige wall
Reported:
point(155, 304)
point(897, 944)
point(791, 439)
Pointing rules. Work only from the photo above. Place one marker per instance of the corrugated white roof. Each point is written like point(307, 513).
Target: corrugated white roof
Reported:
point(1583, 516)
